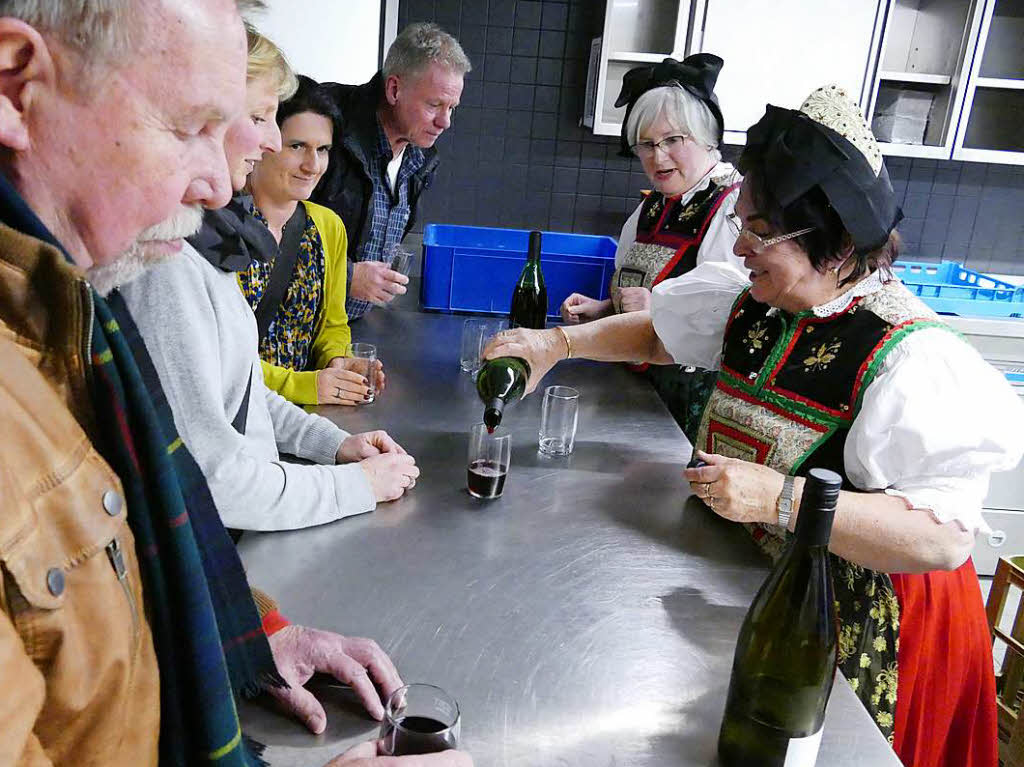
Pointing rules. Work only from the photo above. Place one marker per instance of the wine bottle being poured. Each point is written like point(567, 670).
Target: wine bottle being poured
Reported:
point(499, 382)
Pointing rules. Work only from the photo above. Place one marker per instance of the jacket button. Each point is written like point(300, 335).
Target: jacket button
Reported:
point(55, 581)
point(112, 503)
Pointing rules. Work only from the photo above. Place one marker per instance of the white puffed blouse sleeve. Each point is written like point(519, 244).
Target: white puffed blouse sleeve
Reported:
point(690, 312)
point(934, 424)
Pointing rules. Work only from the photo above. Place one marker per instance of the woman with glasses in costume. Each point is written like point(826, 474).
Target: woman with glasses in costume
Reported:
point(826, 360)
point(674, 126)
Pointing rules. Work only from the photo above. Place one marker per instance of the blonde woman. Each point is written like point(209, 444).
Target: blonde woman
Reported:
point(202, 336)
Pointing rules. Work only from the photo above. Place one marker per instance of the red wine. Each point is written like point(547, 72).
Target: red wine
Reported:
point(486, 479)
point(530, 298)
point(419, 735)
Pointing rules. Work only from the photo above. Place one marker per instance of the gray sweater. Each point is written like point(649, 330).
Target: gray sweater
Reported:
point(202, 336)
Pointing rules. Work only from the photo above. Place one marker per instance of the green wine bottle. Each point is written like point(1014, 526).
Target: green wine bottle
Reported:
point(530, 297)
point(787, 650)
point(500, 381)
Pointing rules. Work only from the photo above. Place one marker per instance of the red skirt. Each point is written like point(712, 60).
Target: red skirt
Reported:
point(946, 698)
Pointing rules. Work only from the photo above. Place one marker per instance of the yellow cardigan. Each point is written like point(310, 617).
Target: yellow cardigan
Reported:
point(332, 335)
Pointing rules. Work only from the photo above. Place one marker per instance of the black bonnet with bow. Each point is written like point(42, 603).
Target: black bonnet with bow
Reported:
point(697, 74)
point(827, 143)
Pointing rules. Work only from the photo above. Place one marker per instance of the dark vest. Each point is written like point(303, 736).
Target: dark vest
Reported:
point(668, 236)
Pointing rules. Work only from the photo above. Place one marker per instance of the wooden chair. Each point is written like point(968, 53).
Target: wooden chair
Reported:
point(1010, 679)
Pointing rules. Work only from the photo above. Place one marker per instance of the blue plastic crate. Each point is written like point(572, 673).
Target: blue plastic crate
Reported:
point(475, 268)
point(951, 288)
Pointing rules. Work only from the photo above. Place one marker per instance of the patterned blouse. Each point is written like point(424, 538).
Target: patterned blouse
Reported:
point(291, 333)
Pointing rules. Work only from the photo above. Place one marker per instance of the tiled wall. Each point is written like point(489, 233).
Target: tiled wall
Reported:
point(516, 156)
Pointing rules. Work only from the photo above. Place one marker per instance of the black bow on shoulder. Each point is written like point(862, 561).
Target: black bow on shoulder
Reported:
point(697, 74)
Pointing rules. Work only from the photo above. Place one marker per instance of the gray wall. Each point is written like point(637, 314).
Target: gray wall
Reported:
point(515, 156)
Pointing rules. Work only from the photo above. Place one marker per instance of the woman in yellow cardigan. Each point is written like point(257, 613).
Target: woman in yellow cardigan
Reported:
point(304, 331)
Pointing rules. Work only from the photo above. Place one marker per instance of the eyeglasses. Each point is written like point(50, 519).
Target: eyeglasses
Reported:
point(759, 244)
point(668, 145)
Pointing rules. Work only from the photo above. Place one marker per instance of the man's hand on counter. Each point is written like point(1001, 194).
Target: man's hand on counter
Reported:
point(369, 755)
point(300, 652)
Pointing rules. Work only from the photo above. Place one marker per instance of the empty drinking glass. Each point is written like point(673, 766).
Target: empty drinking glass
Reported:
point(399, 258)
point(420, 719)
point(367, 353)
point(558, 418)
point(490, 454)
point(476, 334)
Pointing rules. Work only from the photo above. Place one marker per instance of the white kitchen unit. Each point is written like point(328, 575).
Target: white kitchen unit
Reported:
point(779, 52)
point(941, 79)
point(774, 52)
point(635, 32)
point(922, 79)
point(991, 125)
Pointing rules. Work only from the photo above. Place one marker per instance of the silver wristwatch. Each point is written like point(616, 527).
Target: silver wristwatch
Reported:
point(786, 501)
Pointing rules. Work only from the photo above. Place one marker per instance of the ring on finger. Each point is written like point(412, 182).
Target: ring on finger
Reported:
point(337, 393)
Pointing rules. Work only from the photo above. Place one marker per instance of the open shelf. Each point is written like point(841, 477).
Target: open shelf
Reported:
point(919, 78)
point(640, 58)
point(1001, 83)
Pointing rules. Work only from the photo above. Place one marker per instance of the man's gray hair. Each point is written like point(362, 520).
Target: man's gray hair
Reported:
point(421, 44)
point(96, 31)
point(684, 112)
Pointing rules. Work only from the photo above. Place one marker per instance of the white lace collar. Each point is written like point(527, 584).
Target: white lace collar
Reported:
point(870, 284)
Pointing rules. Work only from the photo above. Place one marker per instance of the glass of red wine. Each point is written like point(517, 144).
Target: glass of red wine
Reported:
point(420, 719)
point(489, 457)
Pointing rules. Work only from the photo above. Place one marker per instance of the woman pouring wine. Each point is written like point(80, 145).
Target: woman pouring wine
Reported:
point(827, 361)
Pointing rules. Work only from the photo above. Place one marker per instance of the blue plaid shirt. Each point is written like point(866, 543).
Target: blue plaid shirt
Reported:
point(390, 211)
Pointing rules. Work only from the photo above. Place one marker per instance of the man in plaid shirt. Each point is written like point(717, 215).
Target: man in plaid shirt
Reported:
point(384, 155)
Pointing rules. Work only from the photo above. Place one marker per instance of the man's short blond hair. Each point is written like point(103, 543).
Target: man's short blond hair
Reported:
point(421, 44)
point(267, 61)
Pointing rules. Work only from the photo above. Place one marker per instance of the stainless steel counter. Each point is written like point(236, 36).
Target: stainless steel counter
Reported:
point(588, 617)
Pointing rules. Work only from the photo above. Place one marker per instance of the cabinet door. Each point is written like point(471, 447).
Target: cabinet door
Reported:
point(779, 52)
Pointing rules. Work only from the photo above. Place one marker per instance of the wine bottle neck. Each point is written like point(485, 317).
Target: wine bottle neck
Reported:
point(814, 527)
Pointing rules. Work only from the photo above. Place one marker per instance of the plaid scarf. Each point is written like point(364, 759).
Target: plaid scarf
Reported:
point(206, 630)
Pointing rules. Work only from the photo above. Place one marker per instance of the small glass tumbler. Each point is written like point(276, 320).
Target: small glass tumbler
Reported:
point(367, 354)
point(476, 332)
point(420, 719)
point(490, 454)
point(558, 417)
point(399, 258)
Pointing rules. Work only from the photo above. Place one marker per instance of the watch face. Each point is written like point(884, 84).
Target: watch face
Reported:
point(631, 278)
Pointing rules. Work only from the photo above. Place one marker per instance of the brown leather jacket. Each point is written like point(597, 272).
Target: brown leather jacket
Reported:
point(78, 676)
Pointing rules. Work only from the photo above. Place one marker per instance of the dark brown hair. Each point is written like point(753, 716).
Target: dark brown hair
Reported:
point(829, 244)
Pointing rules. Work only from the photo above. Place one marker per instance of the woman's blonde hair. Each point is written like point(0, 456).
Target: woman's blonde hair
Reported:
point(267, 61)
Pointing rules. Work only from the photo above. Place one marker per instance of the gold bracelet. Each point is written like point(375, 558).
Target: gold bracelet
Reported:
point(568, 343)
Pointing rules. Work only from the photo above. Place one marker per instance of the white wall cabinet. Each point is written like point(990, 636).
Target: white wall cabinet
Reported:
point(991, 127)
point(778, 52)
point(942, 79)
point(635, 32)
point(920, 88)
point(774, 52)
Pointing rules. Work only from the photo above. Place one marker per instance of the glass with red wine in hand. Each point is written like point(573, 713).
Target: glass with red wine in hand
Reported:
point(490, 453)
point(420, 719)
